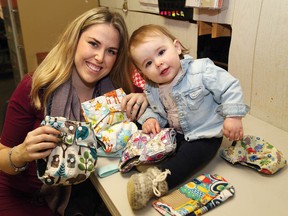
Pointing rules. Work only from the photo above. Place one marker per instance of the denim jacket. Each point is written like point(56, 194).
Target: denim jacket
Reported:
point(204, 95)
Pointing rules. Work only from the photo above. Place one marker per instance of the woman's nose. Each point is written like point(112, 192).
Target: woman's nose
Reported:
point(99, 56)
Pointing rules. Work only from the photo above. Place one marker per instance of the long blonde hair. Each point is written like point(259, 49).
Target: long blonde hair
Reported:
point(56, 68)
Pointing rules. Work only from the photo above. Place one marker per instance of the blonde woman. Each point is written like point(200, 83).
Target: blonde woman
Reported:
point(89, 60)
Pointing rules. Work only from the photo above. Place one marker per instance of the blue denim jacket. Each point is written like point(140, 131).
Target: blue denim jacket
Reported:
point(204, 95)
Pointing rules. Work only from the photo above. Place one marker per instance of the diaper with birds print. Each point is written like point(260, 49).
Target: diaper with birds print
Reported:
point(111, 125)
point(75, 156)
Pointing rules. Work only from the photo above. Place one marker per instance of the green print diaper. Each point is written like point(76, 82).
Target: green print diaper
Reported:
point(75, 156)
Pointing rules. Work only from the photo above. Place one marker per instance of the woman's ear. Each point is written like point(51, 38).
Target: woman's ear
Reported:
point(178, 46)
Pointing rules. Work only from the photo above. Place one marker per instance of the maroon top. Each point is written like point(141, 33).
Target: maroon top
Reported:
point(17, 191)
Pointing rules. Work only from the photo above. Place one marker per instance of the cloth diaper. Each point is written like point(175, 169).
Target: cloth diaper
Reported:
point(144, 148)
point(256, 153)
point(75, 156)
point(110, 123)
point(196, 197)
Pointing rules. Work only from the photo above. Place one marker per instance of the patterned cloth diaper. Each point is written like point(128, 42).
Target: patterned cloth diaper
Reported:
point(111, 125)
point(196, 197)
point(256, 153)
point(144, 148)
point(75, 156)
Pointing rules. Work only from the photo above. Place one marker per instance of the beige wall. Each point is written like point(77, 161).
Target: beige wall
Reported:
point(42, 22)
point(258, 57)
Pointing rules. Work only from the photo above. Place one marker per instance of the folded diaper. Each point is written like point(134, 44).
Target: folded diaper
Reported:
point(144, 148)
point(111, 125)
point(256, 153)
point(196, 197)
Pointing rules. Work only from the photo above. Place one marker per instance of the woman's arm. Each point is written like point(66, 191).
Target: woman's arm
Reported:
point(18, 131)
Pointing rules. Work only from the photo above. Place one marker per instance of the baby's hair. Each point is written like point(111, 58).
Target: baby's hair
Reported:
point(139, 36)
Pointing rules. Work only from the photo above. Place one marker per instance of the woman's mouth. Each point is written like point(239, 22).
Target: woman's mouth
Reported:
point(93, 67)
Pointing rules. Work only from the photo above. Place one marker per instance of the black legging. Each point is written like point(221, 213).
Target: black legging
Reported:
point(85, 201)
point(188, 158)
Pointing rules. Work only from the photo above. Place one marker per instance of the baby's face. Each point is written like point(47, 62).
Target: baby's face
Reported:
point(158, 58)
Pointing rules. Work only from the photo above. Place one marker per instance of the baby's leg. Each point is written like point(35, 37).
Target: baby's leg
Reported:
point(189, 158)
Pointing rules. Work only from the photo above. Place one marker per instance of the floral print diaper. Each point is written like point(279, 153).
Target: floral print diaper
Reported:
point(256, 153)
point(144, 148)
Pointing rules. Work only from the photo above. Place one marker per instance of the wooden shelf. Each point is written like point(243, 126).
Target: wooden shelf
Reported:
point(215, 29)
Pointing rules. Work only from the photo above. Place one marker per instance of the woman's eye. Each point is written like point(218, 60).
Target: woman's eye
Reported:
point(94, 44)
point(112, 52)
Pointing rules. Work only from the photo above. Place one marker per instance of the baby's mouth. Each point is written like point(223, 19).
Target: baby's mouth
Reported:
point(163, 72)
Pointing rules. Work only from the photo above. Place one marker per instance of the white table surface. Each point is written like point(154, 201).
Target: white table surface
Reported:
point(256, 194)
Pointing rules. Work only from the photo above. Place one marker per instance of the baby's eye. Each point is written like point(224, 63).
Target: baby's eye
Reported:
point(148, 64)
point(161, 52)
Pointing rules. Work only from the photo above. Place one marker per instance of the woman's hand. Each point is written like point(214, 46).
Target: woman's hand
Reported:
point(37, 144)
point(233, 129)
point(134, 104)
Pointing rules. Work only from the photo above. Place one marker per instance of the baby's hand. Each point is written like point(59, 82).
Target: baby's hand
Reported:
point(232, 128)
point(151, 125)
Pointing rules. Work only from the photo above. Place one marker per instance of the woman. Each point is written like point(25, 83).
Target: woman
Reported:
point(88, 60)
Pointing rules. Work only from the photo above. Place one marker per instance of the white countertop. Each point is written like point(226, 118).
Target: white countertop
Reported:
point(256, 193)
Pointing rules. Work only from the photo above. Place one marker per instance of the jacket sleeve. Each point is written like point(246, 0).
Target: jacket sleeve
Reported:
point(226, 90)
point(150, 114)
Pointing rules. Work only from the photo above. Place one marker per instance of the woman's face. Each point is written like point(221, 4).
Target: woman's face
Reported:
point(96, 52)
